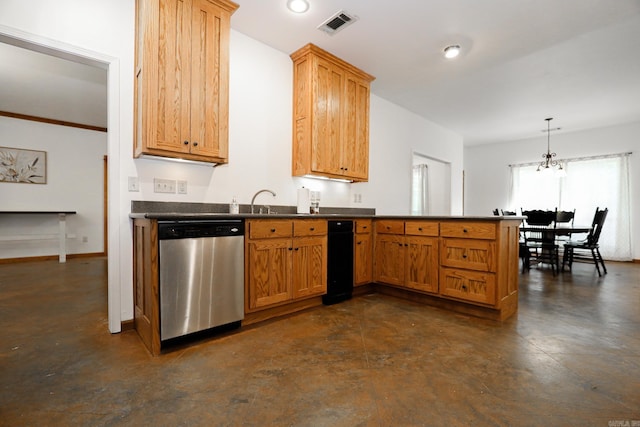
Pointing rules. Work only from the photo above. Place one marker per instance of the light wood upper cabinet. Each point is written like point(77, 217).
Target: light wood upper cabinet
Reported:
point(330, 117)
point(182, 79)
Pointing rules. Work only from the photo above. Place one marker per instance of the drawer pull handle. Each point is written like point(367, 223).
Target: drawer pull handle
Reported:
point(273, 230)
point(312, 229)
point(464, 230)
point(290, 249)
point(364, 227)
point(419, 228)
point(464, 256)
point(359, 243)
point(464, 287)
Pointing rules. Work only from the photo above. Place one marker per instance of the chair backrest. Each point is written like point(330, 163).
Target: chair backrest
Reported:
point(565, 216)
point(539, 217)
point(596, 226)
point(496, 212)
point(508, 213)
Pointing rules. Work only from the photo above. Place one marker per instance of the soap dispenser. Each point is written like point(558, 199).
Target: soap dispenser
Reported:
point(234, 208)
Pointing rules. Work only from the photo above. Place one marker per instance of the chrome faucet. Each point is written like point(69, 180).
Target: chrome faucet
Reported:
point(256, 195)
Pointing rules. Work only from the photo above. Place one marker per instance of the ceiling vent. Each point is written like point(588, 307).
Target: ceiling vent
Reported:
point(337, 22)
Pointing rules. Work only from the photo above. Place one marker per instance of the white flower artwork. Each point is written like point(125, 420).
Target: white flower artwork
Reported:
point(23, 166)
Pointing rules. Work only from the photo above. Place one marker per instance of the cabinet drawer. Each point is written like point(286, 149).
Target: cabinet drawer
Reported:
point(421, 228)
point(468, 253)
point(363, 226)
point(270, 228)
point(390, 227)
point(309, 227)
point(468, 285)
point(468, 230)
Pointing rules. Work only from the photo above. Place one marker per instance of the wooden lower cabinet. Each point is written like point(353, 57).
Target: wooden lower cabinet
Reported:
point(466, 265)
point(422, 260)
point(475, 286)
point(363, 259)
point(409, 261)
point(285, 261)
point(269, 272)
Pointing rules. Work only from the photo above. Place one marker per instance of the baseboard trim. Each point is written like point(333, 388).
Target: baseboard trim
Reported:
point(50, 257)
point(127, 325)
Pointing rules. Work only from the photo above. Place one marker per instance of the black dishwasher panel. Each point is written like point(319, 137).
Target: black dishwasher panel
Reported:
point(339, 262)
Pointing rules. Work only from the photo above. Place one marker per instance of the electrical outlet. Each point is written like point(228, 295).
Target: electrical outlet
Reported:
point(182, 187)
point(164, 185)
point(134, 184)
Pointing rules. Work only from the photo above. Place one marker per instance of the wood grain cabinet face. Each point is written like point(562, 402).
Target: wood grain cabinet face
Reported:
point(331, 116)
point(363, 253)
point(285, 260)
point(182, 78)
point(405, 256)
point(468, 285)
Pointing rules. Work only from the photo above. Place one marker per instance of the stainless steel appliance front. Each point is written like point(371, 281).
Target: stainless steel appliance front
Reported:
point(201, 276)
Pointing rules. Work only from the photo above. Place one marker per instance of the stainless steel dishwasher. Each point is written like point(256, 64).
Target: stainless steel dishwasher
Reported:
point(201, 275)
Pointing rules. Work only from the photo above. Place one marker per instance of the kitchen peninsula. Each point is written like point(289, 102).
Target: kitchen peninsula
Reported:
point(459, 263)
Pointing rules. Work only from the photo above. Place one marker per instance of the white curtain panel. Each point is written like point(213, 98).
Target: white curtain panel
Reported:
point(601, 182)
point(420, 190)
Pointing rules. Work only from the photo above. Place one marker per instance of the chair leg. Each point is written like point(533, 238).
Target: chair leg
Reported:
point(601, 260)
point(595, 261)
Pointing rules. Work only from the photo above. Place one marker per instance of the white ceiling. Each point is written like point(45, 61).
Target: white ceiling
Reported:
point(521, 62)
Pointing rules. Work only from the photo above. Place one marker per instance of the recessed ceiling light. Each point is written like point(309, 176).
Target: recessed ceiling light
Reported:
point(451, 51)
point(298, 6)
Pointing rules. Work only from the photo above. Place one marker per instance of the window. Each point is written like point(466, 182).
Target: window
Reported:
point(589, 183)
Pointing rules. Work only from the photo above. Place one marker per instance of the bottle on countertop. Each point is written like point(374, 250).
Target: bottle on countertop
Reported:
point(234, 208)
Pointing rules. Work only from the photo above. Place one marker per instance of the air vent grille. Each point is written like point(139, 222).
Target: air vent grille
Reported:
point(337, 22)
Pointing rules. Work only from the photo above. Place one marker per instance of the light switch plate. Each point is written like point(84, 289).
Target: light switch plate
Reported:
point(164, 185)
point(182, 187)
point(134, 184)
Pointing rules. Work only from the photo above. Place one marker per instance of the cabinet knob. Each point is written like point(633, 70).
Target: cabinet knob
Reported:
point(464, 256)
point(195, 144)
point(419, 228)
point(312, 229)
point(359, 243)
point(273, 230)
point(364, 227)
point(464, 287)
point(290, 249)
point(186, 142)
point(464, 230)
point(297, 249)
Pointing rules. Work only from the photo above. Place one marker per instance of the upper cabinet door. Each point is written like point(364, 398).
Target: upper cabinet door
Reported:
point(182, 75)
point(331, 116)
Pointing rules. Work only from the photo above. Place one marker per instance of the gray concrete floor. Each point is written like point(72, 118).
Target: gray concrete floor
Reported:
point(571, 356)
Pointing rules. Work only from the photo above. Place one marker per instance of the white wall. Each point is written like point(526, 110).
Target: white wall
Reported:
point(74, 183)
point(487, 173)
point(259, 128)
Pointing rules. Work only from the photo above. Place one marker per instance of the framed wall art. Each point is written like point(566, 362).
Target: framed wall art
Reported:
point(23, 166)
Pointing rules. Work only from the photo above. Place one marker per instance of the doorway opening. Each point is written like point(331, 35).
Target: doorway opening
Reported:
point(72, 53)
point(430, 186)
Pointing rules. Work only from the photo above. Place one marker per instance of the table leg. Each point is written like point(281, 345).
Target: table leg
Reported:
point(62, 238)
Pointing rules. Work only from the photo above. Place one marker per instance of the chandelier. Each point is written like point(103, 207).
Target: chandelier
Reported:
point(549, 162)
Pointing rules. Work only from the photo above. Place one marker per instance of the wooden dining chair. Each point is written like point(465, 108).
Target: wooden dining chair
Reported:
point(564, 218)
point(539, 240)
point(587, 250)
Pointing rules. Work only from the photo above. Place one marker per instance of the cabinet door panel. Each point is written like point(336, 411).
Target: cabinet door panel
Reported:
point(422, 263)
point(389, 265)
point(468, 253)
point(309, 266)
point(468, 285)
point(326, 120)
point(208, 95)
point(355, 155)
point(269, 266)
point(363, 258)
point(173, 91)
